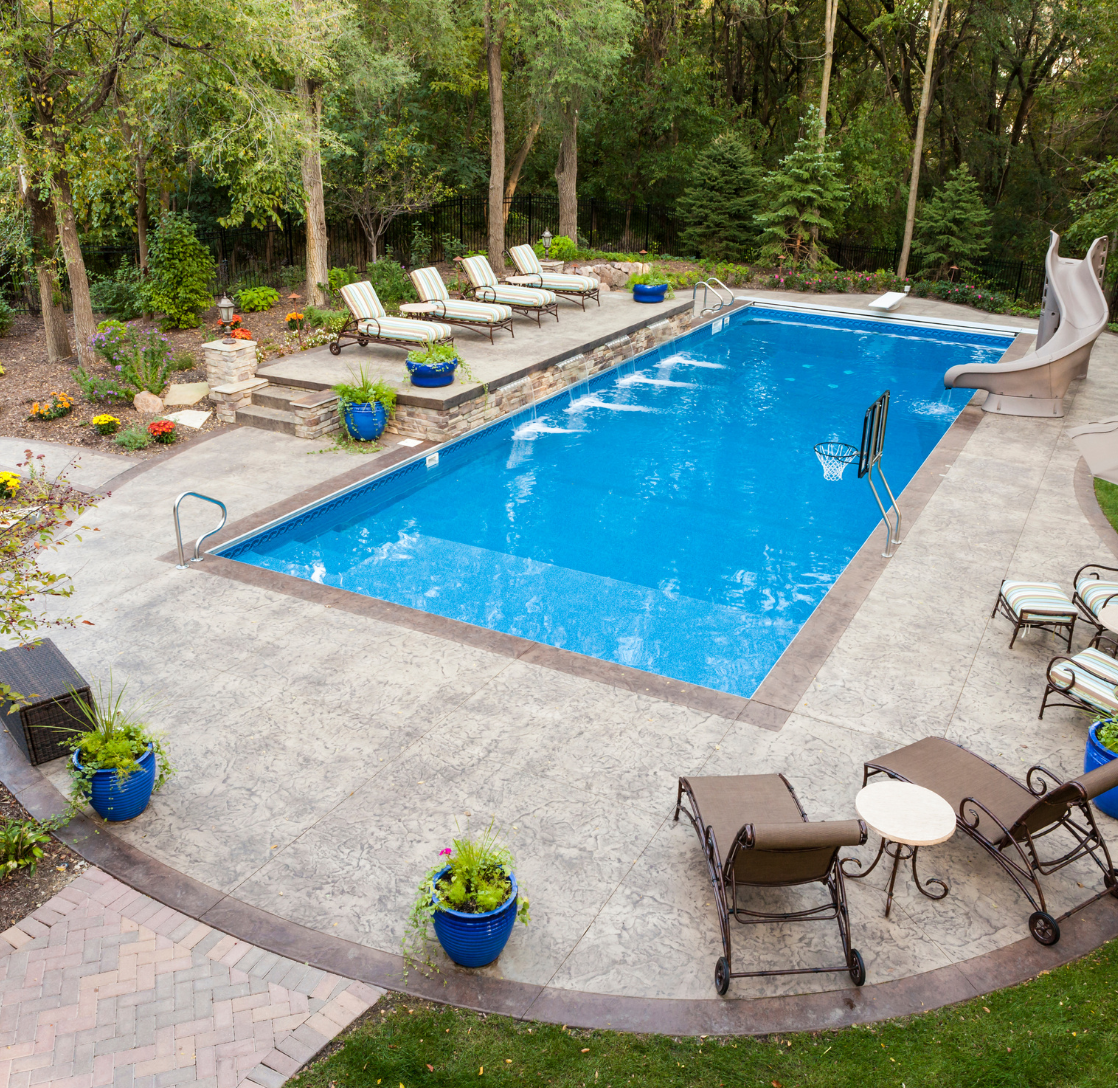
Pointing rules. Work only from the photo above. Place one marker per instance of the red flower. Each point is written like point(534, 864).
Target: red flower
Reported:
point(240, 334)
point(160, 427)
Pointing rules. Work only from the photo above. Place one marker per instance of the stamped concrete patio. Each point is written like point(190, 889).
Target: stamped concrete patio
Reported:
point(326, 755)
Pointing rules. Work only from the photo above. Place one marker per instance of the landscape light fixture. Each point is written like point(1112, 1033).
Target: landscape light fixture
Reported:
point(225, 312)
point(546, 239)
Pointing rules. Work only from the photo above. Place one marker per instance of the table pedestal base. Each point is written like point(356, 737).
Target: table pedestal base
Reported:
point(899, 852)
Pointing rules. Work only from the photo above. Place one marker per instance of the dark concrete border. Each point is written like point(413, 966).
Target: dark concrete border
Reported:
point(1089, 504)
point(837, 1008)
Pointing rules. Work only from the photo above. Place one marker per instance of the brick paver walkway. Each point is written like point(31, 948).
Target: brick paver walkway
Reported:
point(103, 986)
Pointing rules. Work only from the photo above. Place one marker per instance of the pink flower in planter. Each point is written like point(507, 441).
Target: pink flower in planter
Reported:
point(446, 852)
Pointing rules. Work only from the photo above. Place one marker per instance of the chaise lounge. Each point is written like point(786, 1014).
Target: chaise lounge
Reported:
point(1008, 819)
point(524, 300)
point(438, 303)
point(768, 843)
point(532, 274)
point(370, 324)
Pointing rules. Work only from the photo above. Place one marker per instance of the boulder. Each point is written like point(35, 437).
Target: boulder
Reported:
point(147, 404)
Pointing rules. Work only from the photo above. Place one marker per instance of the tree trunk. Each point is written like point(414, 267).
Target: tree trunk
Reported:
point(566, 174)
point(518, 165)
point(830, 16)
point(84, 326)
point(318, 268)
point(142, 209)
point(494, 32)
point(44, 235)
point(936, 13)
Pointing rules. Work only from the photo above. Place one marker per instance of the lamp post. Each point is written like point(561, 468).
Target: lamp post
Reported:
point(225, 312)
point(546, 239)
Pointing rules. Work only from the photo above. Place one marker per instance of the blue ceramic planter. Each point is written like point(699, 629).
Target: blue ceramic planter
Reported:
point(1098, 756)
point(643, 292)
point(365, 422)
point(432, 376)
point(473, 940)
point(116, 800)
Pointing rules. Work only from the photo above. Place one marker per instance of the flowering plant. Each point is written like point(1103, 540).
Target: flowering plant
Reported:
point(162, 430)
point(295, 320)
point(241, 334)
point(59, 405)
point(9, 483)
point(105, 424)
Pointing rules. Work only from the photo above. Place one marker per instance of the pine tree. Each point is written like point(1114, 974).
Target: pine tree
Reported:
point(803, 198)
point(720, 203)
point(954, 225)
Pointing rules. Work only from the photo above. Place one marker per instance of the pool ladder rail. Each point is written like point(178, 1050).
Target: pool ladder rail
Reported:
point(197, 557)
point(707, 286)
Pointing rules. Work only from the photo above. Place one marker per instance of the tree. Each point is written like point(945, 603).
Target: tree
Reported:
point(830, 15)
point(720, 204)
point(496, 16)
point(181, 271)
point(1096, 214)
point(954, 226)
point(802, 197)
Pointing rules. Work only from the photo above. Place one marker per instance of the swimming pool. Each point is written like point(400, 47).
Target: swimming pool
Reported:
point(668, 515)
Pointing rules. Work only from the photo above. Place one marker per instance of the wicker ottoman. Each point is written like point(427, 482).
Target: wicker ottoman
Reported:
point(42, 675)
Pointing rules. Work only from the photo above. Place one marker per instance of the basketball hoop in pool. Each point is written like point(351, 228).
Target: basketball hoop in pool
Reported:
point(834, 456)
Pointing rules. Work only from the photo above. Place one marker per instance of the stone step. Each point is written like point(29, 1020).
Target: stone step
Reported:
point(268, 419)
point(278, 396)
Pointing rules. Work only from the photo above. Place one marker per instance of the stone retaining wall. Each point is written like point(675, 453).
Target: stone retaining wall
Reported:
point(441, 425)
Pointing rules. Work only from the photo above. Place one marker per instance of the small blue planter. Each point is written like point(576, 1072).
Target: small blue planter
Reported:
point(473, 940)
point(432, 376)
point(116, 800)
point(643, 292)
point(365, 422)
point(1098, 756)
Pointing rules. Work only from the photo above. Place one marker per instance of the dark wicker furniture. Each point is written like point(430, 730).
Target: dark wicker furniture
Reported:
point(1008, 819)
point(769, 843)
point(44, 677)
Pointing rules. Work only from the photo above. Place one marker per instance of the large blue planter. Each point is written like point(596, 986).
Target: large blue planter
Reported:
point(365, 422)
point(432, 376)
point(473, 940)
point(643, 292)
point(1098, 756)
point(113, 799)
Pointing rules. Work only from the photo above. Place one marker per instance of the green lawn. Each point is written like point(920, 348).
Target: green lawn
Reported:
point(1056, 1030)
point(1107, 494)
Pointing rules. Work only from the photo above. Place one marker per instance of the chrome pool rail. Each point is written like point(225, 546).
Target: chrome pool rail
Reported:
point(708, 285)
point(196, 557)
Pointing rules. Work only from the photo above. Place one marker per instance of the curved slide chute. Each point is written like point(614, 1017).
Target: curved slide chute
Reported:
point(1073, 314)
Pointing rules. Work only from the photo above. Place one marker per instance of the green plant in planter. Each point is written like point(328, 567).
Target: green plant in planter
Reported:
point(1107, 733)
point(476, 882)
point(438, 357)
point(362, 390)
point(650, 279)
point(110, 736)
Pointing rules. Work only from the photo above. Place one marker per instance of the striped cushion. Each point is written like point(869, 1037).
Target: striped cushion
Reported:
point(429, 284)
point(559, 281)
point(1095, 592)
point(1090, 689)
point(1046, 598)
point(526, 260)
point(362, 300)
point(479, 271)
point(406, 329)
point(515, 296)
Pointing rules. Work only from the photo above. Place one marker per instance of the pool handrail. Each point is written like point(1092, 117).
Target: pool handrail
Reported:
point(197, 556)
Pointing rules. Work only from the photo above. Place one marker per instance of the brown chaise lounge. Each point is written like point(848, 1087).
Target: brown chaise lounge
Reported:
point(768, 843)
point(1007, 818)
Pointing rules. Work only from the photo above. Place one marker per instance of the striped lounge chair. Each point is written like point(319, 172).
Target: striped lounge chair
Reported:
point(455, 311)
point(1043, 605)
point(1088, 681)
point(532, 274)
point(524, 300)
point(1093, 593)
point(369, 324)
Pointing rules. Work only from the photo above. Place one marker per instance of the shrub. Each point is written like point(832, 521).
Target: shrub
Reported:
point(20, 845)
point(255, 299)
point(110, 341)
point(148, 361)
point(59, 405)
point(184, 360)
point(7, 317)
point(954, 225)
point(452, 247)
point(134, 438)
point(341, 277)
point(391, 283)
point(720, 204)
point(562, 249)
point(122, 294)
point(181, 271)
point(419, 248)
point(105, 424)
point(113, 390)
point(333, 321)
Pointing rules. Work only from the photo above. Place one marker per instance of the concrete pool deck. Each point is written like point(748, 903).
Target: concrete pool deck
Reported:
point(325, 754)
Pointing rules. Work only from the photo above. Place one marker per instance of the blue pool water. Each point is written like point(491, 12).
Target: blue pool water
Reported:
point(669, 515)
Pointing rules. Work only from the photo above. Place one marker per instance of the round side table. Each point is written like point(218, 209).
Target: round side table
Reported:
point(906, 817)
point(1108, 617)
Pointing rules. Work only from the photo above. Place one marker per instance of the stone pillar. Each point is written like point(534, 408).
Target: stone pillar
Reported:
point(233, 395)
point(316, 414)
point(228, 363)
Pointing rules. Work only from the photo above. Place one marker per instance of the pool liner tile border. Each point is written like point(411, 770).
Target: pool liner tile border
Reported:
point(826, 1010)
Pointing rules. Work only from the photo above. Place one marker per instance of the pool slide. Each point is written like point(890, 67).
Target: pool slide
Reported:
point(1073, 314)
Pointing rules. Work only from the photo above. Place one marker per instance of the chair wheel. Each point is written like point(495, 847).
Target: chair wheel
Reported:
point(857, 967)
point(335, 348)
point(362, 341)
point(1043, 927)
point(722, 976)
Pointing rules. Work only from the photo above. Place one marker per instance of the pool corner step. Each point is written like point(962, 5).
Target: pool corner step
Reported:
point(293, 410)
